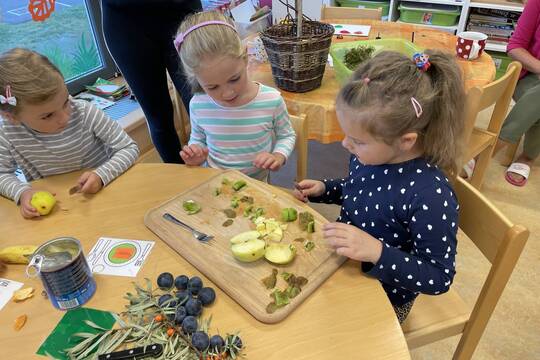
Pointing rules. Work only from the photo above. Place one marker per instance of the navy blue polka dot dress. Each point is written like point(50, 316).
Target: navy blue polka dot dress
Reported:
point(413, 210)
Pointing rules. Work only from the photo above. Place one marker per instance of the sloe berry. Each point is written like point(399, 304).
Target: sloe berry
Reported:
point(183, 296)
point(195, 284)
point(200, 340)
point(165, 281)
point(163, 301)
point(217, 343)
point(189, 324)
point(180, 315)
point(181, 282)
point(193, 307)
point(207, 296)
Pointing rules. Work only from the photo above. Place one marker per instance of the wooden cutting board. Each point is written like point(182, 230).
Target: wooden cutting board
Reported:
point(242, 281)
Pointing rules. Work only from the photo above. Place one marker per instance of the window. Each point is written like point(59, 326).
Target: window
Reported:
point(71, 38)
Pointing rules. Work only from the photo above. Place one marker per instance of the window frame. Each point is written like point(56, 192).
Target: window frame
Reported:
point(109, 68)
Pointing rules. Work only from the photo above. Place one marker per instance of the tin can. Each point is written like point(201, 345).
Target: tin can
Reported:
point(62, 267)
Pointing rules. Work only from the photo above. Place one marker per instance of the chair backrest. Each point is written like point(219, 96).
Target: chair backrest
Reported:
point(337, 13)
point(501, 242)
point(498, 93)
point(300, 126)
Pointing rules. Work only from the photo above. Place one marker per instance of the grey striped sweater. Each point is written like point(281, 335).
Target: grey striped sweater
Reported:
point(91, 140)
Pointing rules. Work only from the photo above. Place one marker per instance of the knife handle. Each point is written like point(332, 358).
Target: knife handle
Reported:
point(137, 353)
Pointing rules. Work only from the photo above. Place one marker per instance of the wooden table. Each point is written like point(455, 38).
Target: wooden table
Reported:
point(318, 104)
point(348, 317)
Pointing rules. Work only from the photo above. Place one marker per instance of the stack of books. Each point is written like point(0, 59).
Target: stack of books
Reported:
point(107, 89)
point(498, 25)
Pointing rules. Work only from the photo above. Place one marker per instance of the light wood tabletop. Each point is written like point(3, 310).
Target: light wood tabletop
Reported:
point(348, 317)
point(319, 104)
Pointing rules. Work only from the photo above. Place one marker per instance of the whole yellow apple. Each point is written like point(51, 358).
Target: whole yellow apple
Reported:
point(43, 201)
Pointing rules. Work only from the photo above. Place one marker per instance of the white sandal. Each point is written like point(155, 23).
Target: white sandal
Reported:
point(520, 169)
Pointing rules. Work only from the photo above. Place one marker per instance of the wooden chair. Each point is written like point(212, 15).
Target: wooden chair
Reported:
point(300, 126)
point(343, 13)
point(436, 317)
point(479, 142)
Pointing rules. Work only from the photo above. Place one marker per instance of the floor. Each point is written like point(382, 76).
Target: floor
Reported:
point(513, 332)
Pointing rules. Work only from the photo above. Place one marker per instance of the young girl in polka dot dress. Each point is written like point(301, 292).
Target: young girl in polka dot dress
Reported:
point(402, 120)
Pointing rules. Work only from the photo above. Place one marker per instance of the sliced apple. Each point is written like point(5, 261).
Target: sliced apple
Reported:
point(280, 253)
point(276, 235)
point(249, 251)
point(245, 236)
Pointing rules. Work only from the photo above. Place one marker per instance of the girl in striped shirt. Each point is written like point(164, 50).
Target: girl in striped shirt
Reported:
point(235, 123)
point(44, 132)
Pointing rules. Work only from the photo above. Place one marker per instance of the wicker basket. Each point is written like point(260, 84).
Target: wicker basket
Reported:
point(298, 62)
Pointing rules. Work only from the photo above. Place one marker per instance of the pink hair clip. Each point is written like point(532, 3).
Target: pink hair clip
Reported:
point(8, 99)
point(181, 36)
point(417, 107)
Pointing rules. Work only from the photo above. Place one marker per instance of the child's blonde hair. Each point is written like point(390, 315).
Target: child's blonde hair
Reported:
point(207, 41)
point(32, 78)
point(384, 86)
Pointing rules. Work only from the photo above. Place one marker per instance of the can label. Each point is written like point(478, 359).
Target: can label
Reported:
point(64, 272)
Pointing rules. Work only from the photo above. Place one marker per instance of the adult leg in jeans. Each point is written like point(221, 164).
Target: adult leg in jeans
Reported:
point(524, 118)
point(141, 44)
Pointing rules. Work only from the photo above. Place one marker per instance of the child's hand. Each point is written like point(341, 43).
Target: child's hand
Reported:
point(307, 188)
point(350, 241)
point(89, 183)
point(266, 160)
point(27, 210)
point(194, 154)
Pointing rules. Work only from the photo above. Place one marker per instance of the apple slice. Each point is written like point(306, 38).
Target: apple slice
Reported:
point(249, 251)
point(245, 236)
point(280, 253)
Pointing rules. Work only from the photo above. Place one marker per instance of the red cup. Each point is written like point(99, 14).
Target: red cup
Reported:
point(470, 44)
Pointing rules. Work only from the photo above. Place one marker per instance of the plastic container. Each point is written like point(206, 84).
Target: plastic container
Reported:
point(367, 4)
point(429, 14)
point(338, 51)
point(246, 29)
point(501, 61)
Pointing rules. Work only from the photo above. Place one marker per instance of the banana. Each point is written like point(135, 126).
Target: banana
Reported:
point(19, 254)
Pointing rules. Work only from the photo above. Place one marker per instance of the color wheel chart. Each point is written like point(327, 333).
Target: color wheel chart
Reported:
point(120, 257)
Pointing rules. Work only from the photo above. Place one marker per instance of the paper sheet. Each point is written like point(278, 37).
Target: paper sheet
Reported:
point(351, 30)
point(121, 257)
point(7, 288)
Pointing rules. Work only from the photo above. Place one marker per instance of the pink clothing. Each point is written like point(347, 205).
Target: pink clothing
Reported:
point(527, 34)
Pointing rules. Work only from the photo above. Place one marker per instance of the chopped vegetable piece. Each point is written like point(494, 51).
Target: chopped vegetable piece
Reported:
point(289, 214)
point(238, 185)
point(270, 281)
point(191, 207)
point(230, 213)
point(309, 245)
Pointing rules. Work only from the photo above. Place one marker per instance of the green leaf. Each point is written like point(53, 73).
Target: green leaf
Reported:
point(94, 325)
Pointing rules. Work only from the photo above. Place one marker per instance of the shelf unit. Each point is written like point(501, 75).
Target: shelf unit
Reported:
point(312, 7)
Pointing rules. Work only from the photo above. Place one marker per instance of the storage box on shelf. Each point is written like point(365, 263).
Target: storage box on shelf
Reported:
point(428, 14)
point(368, 4)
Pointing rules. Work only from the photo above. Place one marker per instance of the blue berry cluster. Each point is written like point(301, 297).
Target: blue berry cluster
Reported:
point(190, 297)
